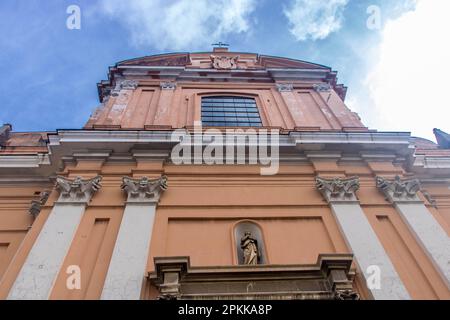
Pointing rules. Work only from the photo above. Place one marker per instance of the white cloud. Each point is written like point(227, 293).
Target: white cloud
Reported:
point(315, 19)
point(409, 84)
point(181, 24)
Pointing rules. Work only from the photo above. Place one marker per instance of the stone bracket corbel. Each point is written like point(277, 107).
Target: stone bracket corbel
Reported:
point(169, 272)
point(338, 275)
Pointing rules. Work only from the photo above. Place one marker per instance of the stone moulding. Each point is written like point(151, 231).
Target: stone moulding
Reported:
point(398, 190)
point(77, 190)
point(330, 278)
point(338, 189)
point(144, 189)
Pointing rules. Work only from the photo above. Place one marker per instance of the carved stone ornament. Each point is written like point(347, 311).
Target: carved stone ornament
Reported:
point(429, 198)
point(168, 85)
point(398, 190)
point(77, 190)
point(338, 189)
point(144, 189)
point(285, 87)
point(168, 297)
point(175, 278)
point(124, 85)
point(322, 87)
point(36, 205)
point(346, 295)
point(224, 62)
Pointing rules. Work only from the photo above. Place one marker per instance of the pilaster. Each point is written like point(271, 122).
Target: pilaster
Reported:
point(126, 272)
point(38, 274)
point(360, 237)
point(427, 231)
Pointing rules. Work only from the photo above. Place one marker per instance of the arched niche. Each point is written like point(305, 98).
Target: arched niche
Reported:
point(239, 231)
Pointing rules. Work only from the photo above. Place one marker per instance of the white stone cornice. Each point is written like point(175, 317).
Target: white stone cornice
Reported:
point(369, 138)
point(66, 142)
point(323, 155)
point(24, 161)
point(377, 156)
point(151, 155)
point(337, 189)
point(144, 190)
point(398, 190)
point(427, 162)
point(77, 190)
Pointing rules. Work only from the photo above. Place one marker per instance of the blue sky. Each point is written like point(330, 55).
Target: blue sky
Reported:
point(50, 72)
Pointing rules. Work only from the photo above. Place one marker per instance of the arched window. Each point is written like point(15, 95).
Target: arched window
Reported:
point(249, 244)
point(229, 111)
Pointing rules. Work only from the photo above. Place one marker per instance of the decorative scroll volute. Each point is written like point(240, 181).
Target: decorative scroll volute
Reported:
point(36, 205)
point(144, 190)
point(77, 190)
point(337, 189)
point(398, 190)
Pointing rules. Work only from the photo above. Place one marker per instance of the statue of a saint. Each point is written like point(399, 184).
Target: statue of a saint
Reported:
point(250, 247)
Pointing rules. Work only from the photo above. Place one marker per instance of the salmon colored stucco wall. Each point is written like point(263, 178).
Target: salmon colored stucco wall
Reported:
point(197, 213)
point(150, 107)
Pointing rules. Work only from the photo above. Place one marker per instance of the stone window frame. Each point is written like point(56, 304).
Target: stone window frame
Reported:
point(258, 100)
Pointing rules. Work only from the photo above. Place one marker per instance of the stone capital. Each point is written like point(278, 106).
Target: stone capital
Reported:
point(144, 190)
point(285, 87)
point(77, 190)
point(168, 85)
point(398, 190)
point(337, 189)
point(124, 84)
point(322, 87)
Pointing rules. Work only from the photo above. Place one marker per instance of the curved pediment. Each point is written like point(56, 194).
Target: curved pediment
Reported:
point(163, 60)
point(203, 60)
point(286, 63)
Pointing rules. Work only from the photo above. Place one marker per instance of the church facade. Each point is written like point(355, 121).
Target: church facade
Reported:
point(223, 175)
